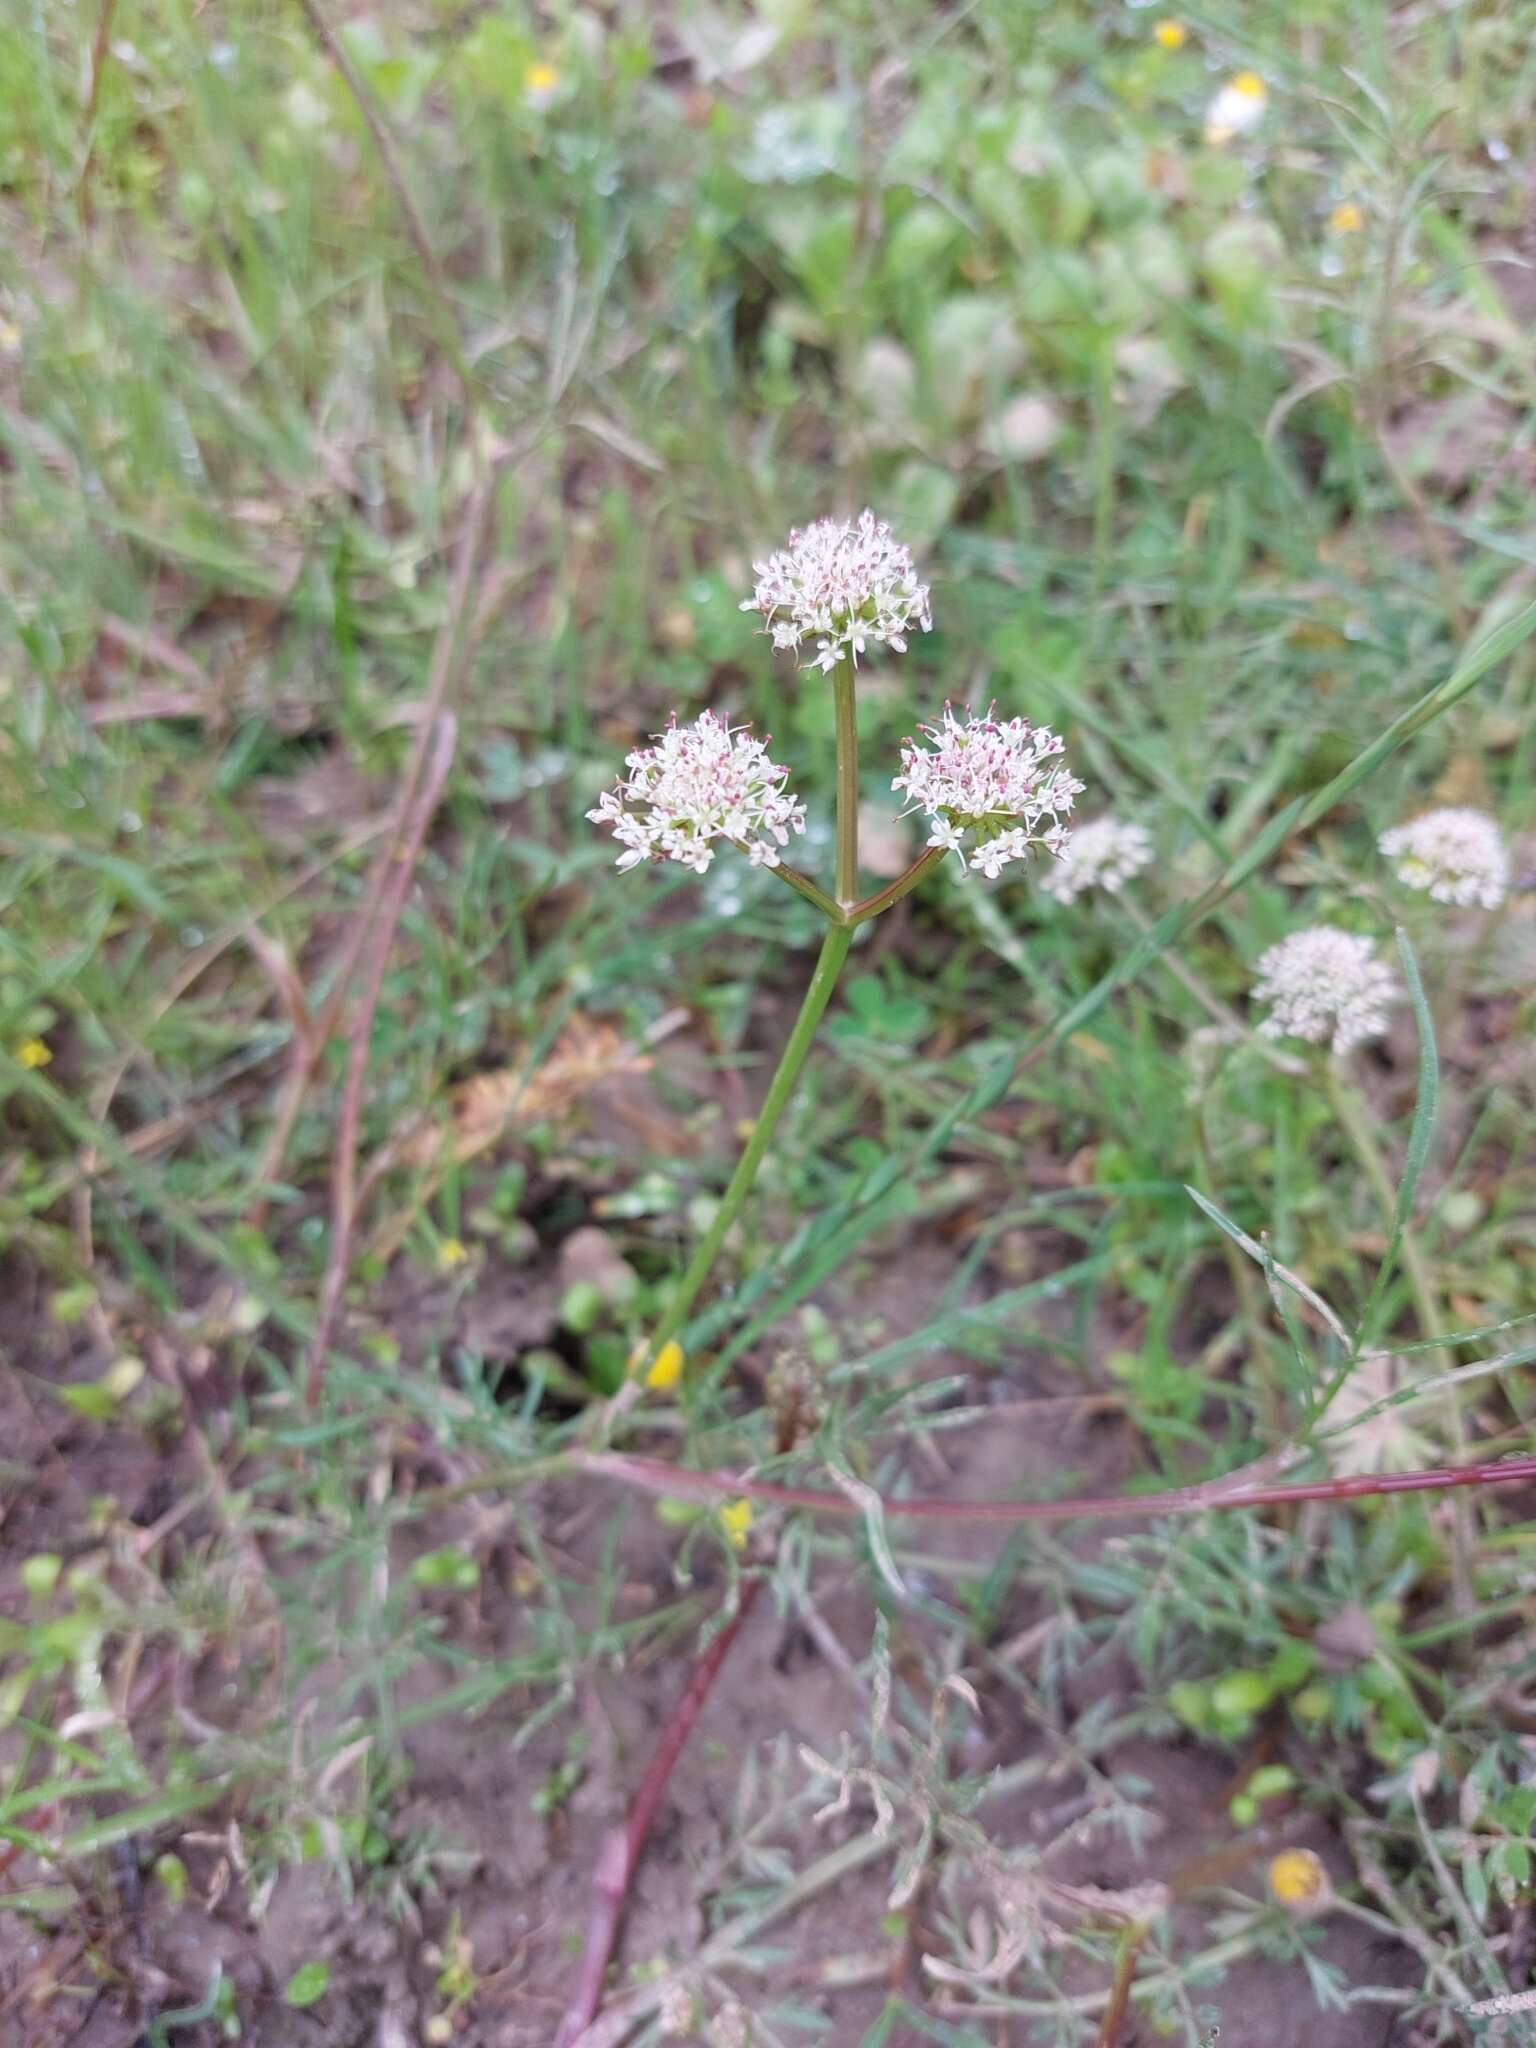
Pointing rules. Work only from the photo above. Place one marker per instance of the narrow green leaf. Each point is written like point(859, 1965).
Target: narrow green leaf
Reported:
point(137, 1820)
point(1269, 1264)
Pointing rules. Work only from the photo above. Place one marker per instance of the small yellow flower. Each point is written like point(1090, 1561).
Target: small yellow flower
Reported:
point(1250, 85)
point(1172, 35)
point(32, 1052)
point(736, 1516)
point(1347, 218)
point(540, 80)
point(450, 1253)
point(1299, 1881)
point(667, 1367)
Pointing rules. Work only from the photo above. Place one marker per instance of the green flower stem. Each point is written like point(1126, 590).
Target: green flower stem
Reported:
point(811, 891)
point(834, 951)
point(843, 691)
point(1350, 1111)
point(893, 892)
point(1347, 1108)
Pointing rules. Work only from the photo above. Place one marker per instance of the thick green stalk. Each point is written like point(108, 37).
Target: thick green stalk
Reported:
point(834, 950)
point(844, 693)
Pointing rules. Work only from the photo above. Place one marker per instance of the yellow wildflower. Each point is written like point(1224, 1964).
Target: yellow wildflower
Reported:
point(736, 1516)
point(667, 1367)
point(1347, 218)
point(1172, 35)
point(32, 1052)
point(540, 81)
point(450, 1253)
point(1298, 1881)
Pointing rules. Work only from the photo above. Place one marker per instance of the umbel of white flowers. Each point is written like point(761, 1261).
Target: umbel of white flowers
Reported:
point(699, 783)
point(1104, 854)
point(1326, 986)
point(996, 780)
point(1456, 854)
point(842, 583)
point(991, 787)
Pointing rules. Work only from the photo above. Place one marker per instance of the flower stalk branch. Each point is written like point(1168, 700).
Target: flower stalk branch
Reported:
point(846, 704)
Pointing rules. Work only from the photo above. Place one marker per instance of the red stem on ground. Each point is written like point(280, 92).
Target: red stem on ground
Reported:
point(654, 1475)
point(622, 1849)
point(404, 854)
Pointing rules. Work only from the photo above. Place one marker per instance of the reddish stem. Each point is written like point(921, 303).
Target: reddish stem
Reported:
point(450, 653)
point(653, 1475)
point(1119, 2005)
point(344, 1167)
point(622, 1849)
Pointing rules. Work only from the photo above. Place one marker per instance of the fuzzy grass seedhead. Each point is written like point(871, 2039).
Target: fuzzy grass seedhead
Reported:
point(700, 782)
point(1456, 855)
point(842, 583)
point(1325, 986)
point(996, 782)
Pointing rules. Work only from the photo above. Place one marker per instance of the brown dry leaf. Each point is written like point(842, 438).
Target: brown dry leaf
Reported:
point(482, 1107)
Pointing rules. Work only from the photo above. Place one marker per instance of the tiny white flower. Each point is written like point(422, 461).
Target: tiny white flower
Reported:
point(842, 583)
point(700, 782)
point(1325, 985)
point(1457, 854)
point(996, 779)
point(1101, 855)
point(1237, 109)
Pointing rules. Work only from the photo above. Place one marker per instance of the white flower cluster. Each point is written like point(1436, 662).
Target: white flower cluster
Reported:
point(1456, 854)
point(1102, 855)
point(699, 783)
point(991, 777)
point(1325, 984)
point(842, 583)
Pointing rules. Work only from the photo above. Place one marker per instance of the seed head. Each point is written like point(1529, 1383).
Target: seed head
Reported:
point(700, 782)
point(1457, 854)
point(1101, 855)
point(993, 778)
point(842, 583)
point(1325, 985)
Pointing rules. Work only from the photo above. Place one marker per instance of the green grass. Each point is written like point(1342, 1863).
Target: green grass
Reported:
point(1235, 498)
